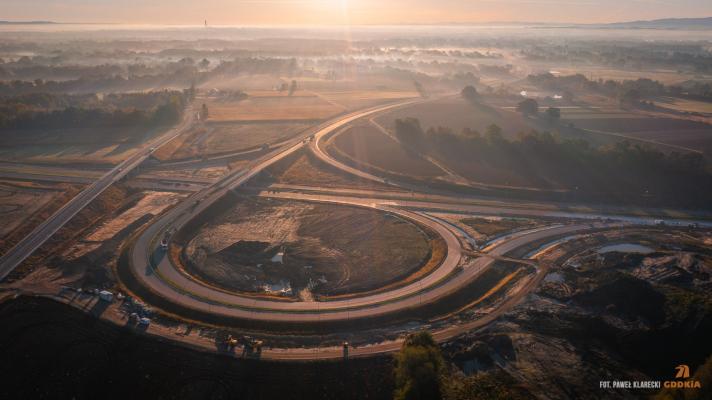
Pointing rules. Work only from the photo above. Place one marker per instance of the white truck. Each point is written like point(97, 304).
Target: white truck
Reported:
point(106, 295)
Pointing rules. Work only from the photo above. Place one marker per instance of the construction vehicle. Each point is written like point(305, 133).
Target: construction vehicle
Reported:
point(106, 295)
point(346, 350)
point(231, 342)
point(257, 346)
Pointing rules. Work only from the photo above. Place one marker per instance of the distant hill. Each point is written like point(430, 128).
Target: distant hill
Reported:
point(26, 22)
point(667, 23)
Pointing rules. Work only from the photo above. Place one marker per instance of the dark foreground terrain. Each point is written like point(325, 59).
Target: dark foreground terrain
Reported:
point(52, 351)
point(596, 316)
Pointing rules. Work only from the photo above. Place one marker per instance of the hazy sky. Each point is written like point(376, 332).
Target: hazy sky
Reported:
point(260, 12)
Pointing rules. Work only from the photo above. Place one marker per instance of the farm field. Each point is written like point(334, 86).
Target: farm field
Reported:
point(106, 145)
point(272, 108)
point(351, 81)
point(457, 114)
point(72, 170)
point(685, 105)
point(680, 134)
point(365, 144)
point(666, 76)
point(356, 99)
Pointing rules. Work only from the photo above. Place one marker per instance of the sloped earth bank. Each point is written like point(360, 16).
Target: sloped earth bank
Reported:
point(327, 249)
point(84, 252)
point(600, 318)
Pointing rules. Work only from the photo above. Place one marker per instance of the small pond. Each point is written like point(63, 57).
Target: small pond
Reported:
point(626, 248)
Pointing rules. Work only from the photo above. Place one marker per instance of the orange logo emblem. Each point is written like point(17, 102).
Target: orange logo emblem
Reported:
point(683, 371)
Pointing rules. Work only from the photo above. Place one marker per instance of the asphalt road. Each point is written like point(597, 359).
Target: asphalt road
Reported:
point(16, 255)
point(467, 205)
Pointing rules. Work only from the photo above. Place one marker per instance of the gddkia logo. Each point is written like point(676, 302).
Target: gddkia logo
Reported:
point(682, 376)
point(683, 372)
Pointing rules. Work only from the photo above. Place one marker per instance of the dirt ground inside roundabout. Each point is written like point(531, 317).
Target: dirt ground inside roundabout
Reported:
point(304, 250)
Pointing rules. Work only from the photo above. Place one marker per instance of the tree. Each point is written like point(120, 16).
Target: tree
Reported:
point(567, 96)
point(167, 113)
point(190, 92)
point(409, 131)
point(419, 368)
point(629, 97)
point(470, 133)
point(528, 107)
point(470, 94)
point(204, 114)
point(553, 113)
point(420, 89)
point(493, 134)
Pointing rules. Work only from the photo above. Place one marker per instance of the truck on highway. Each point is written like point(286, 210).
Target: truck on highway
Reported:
point(164, 241)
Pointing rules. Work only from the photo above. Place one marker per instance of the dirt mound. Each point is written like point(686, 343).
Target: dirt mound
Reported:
point(628, 296)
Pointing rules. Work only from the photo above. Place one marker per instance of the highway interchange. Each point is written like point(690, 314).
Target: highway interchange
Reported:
point(167, 280)
point(156, 272)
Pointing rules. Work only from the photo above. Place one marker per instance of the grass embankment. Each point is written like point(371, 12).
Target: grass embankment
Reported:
point(494, 227)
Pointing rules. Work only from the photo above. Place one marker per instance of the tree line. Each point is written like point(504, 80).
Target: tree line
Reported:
point(138, 76)
point(50, 111)
point(626, 90)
